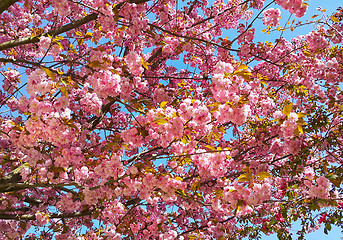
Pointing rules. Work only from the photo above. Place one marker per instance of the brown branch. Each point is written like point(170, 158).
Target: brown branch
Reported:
point(17, 61)
point(94, 121)
point(5, 4)
point(60, 30)
point(250, 25)
point(213, 16)
point(203, 227)
point(192, 38)
point(19, 217)
point(10, 187)
point(156, 54)
point(192, 7)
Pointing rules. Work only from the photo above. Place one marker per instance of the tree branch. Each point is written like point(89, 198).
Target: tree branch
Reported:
point(19, 217)
point(5, 4)
point(74, 24)
point(192, 38)
point(10, 187)
point(60, 30)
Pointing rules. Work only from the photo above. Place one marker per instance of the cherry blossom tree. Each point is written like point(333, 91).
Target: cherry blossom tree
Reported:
point(162, 119)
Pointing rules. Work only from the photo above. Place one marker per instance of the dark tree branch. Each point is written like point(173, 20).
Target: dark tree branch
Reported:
point(19, 217)
point(192, 38)
point(55, 32)
point(5, 4)
point(75, 24)
point(17, 186)
point(18, 61)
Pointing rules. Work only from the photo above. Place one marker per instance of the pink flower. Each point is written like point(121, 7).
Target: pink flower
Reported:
point(309, 173)
point(271, 17)
point(42, 218)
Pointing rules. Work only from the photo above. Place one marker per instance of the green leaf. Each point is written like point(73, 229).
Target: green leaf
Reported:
point(161, 121)
point(145, 64)
point(264, 84)
point(332, 176)
point(89, 34)
point(195, 186)
point(263, 175)
point(328, 226)
point(300, 115)
point(49, 73)
point(163, 104)
point(181, 192)
point(326, 231)
point(211, 147)
point(64, 91)
point(334, 19)
point(242, 66)
point(300, 129)
point(243, 178)
point(96, 64)
point(179, 179)
point(185, 139)
point(307, 53)
point(287, 109)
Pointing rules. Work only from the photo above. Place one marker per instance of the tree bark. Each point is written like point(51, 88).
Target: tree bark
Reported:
point(5, 4)
point(55, 32)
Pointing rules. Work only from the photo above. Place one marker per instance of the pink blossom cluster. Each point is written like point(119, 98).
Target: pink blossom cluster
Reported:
point(91, 103)
point(44, 42)
point(316, 41)
point(102, 56)
point(40, 107)
point(68, 204)
point(160, 95)
point(289, 125)
point(226, 87)
point(135, 14)
point(48, 129)
point(126, 89)
point(132, 138)
point(11, 80)
point(106, 19)
point(42, 218)
point(267, 105)
point(321, 190)
point(246, 36)
point(211, 164)
point(134, 62)
point(222, 68)
point(71, 156)
point(160, 132)
point(271, 17)
point(196, 114)
point(116, 141)
point(296, 7)
point(82, 174)
point(254, 196)
point(109, 167)
point(105, 83)
point(171, 45)
point(64, 8)
point(39, 82)
point(61, 103)
point(113, 211)
point(237, 115)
